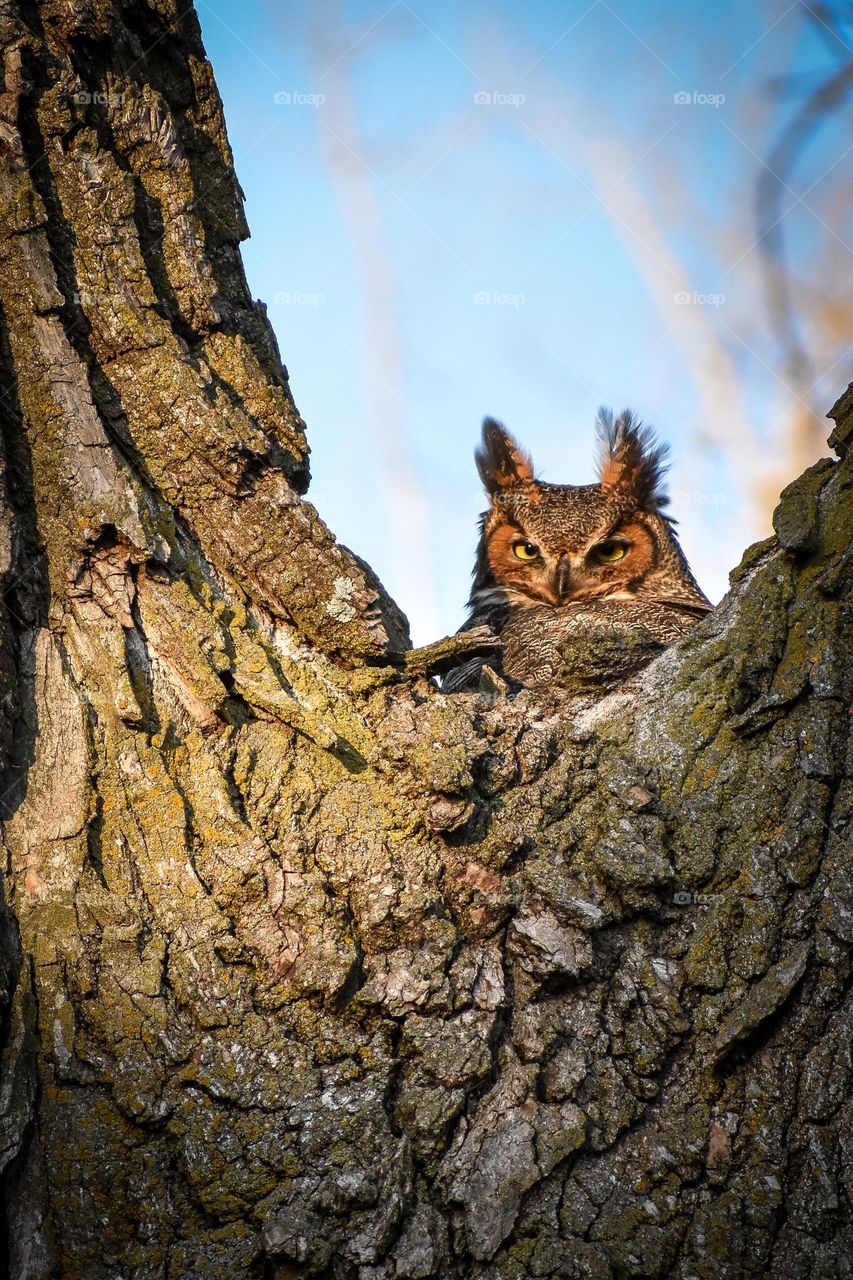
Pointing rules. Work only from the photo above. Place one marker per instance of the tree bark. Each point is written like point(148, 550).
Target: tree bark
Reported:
point(307, 968)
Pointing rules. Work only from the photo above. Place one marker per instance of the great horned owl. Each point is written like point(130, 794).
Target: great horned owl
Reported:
point(584, 584)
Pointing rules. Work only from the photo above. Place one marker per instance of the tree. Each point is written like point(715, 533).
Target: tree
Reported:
point(309, 969)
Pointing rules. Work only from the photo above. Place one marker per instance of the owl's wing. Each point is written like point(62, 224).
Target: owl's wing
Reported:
point(694, 609)
point(463, 674)
point(464, 678)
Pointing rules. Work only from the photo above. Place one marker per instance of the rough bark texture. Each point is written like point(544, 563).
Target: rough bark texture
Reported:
point(311, 970)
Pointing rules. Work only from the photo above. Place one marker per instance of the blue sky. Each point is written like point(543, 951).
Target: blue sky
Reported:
point(528, 211)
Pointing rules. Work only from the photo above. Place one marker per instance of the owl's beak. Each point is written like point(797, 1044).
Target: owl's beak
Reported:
point(563, 579)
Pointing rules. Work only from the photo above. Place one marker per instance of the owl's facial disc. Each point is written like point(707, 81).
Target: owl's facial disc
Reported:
point(536, 569)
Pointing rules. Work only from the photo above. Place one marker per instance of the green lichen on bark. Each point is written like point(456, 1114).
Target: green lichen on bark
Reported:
point(311, 969)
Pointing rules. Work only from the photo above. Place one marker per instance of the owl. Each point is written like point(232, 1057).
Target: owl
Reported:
point(584, 584)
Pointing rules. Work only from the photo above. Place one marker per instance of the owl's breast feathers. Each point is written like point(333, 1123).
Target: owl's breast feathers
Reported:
point(587, 647)
point(592, 646)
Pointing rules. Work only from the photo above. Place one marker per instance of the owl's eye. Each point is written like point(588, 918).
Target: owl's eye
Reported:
point(609, 552)
point(525, 550)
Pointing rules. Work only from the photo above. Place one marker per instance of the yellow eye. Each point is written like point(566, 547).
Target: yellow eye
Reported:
point(526, 550)
point(609, 552)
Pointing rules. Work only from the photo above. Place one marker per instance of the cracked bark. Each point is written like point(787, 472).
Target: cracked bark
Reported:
point(306, 968)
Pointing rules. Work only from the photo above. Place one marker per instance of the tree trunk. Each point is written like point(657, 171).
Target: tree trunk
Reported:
point(311, 970)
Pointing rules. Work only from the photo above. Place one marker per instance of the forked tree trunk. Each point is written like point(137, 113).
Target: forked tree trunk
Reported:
point(308, 968)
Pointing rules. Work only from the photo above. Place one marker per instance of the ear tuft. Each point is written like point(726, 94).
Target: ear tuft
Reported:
point(631, 459)
point(501, 461)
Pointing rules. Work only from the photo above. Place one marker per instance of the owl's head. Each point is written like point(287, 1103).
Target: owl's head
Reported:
point(559, 543)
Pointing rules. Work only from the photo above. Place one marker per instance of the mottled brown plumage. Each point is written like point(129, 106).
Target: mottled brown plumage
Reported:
point(584, 584)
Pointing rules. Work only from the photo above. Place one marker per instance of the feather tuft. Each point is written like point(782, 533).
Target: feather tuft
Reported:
point(501, 461)
point(631, 459)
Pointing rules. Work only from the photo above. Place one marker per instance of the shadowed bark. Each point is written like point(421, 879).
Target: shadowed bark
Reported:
point(308, 969)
